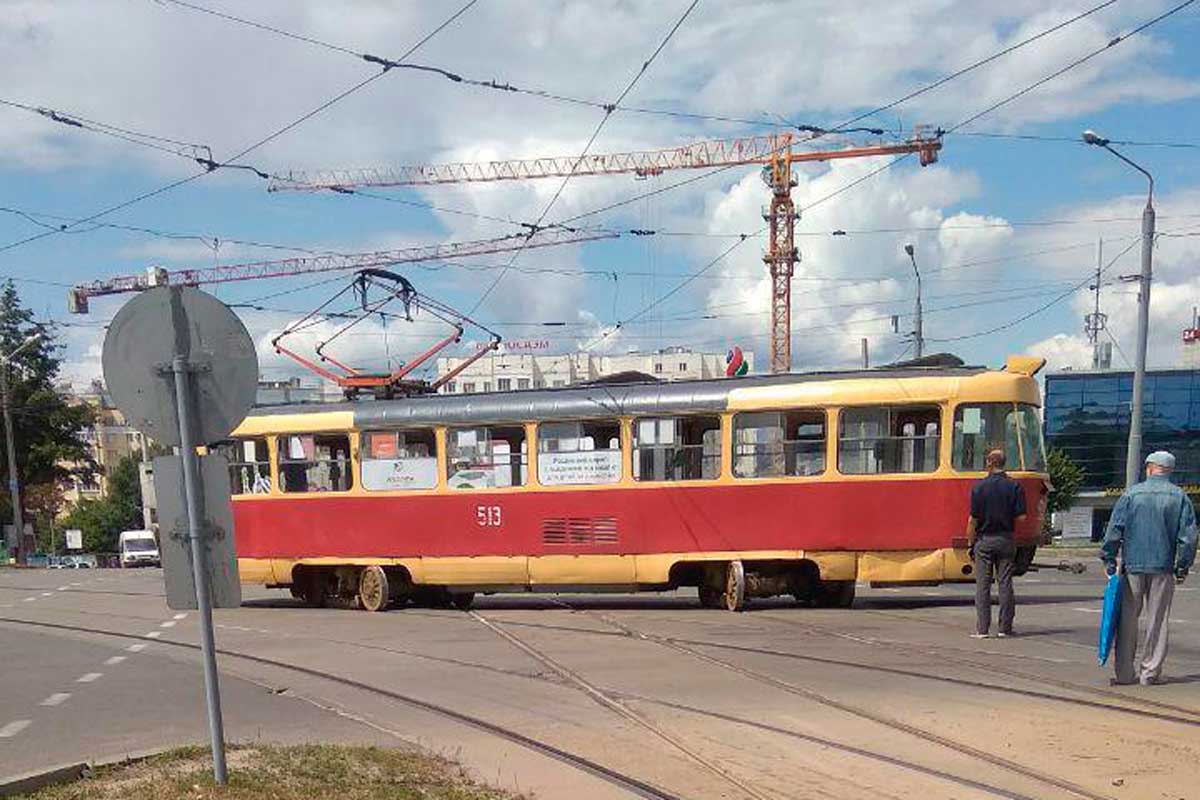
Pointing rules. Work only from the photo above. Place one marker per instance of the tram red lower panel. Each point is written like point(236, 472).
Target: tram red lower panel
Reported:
point(849, 515)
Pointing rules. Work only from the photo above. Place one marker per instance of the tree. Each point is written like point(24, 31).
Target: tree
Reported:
point(120, 510)
point(1066, 477)
point(48, 431)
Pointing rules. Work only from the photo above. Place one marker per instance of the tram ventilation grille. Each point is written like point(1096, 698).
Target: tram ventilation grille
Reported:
point(567, 531)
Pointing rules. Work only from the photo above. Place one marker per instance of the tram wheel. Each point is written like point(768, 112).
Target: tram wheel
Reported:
point(462, 600)
point(734, 596)
point(710, 596)
point(373, 588)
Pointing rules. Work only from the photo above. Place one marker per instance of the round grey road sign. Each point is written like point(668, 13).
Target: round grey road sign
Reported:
point(143, 341)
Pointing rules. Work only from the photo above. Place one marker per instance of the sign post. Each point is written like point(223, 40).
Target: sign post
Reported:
point(182, 368)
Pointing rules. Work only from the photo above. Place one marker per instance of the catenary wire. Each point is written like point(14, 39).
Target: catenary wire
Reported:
point(270, 137)
point(595, 134)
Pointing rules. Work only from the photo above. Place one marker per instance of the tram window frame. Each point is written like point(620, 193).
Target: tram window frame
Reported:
point(795, 450)
point(242, 468)
point(675, 460)
point(408, 470)
point(889, 453)
point(1030, 424)
point(290, 468)
point(977, 447)
point(557, 466)
point(486, 460)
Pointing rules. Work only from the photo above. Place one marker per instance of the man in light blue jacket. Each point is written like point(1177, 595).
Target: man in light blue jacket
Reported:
point(1153, 527)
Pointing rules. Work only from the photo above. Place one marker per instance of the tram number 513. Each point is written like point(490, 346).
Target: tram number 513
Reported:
point(488, 516)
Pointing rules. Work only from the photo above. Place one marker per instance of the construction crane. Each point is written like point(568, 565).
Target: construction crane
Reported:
point(78, 296)
point(774, 151)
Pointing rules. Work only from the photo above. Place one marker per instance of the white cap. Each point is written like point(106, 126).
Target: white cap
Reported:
point(1162, 459)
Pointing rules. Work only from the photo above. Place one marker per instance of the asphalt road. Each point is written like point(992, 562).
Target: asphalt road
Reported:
point(888, 699)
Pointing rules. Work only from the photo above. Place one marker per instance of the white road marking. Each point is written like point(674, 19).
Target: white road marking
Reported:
point(28, 599)
point(1089, 610)
point(136, 648)
point(47, 594)
point(168, 624)
point(62, 588)
point(13, 728)
point(181, 616)
point(89, 677)
point(113, 661)
point(55, 699)
point(153, 634)
point(1033, 580)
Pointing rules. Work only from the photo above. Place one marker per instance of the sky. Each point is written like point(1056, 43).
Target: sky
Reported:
point(1005, 227)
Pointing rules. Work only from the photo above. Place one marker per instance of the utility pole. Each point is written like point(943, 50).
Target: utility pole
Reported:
point(14, 482)
point(1133, 453)
point(866, 354)
point(918, 328)
point(1097, 321)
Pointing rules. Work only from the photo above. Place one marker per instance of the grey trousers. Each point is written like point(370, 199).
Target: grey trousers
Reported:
point(1154, 593)
point(994, 554)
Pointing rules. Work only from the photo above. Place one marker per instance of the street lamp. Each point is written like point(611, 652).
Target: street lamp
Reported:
point(918, 328)
point(14, 482)
point(1133, 454)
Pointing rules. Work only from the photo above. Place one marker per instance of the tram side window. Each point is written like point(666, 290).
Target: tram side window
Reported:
point(314, 463)
point(249, 465)
point(398, 460)
point(573, 453)
point(884, 440)
point(676, 448)
point(981, 427)
point(486, 457)
point(773, 443)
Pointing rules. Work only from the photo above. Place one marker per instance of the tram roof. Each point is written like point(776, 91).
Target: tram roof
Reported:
point(588, 401)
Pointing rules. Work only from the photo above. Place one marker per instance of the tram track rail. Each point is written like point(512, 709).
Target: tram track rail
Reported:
point(612, 776)
point(1168, 712)
point(853, 710)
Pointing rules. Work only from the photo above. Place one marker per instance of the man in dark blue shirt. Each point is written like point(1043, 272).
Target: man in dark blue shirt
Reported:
point(997, 505)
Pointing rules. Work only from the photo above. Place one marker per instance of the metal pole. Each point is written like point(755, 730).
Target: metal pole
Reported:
point(1133, 455)
point(14, 482)
point(866, 354)
point(918, 328)
point(191, 490)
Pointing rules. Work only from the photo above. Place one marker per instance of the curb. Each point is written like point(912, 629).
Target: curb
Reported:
point(66, 773)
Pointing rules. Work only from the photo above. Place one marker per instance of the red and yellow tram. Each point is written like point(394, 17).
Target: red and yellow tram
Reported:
point(796, 484)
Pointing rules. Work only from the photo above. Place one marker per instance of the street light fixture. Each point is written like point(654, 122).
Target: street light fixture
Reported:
point(1133, 454)
point(14, 482)
point(918, 327)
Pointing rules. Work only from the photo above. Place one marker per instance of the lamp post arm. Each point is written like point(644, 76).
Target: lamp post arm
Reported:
point(1139, 168)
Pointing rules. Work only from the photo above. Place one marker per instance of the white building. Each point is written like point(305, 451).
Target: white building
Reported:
point(507, 370)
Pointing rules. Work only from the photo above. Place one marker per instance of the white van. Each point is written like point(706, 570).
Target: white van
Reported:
point(138, 549)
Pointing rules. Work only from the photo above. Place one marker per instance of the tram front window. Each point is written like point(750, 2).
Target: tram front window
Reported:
point(980, 427)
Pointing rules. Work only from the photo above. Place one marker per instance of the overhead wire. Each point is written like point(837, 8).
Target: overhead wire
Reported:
point(595, 134)
point(246, 151)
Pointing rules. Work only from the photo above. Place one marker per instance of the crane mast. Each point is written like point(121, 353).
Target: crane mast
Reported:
point(774, 151)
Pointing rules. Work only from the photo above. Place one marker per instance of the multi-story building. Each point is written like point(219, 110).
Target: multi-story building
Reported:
point(512, 370)
point(1087, 417)
point(110, 440)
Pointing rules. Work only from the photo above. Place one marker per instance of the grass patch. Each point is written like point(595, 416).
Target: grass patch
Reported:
point(262, 772)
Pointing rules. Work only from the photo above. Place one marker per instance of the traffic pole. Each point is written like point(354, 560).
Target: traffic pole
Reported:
point(192, 493)
point(1133, 455)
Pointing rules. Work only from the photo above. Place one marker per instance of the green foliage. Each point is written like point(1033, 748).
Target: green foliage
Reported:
point(48, 431)
point(1066, 477)
point(121, 510)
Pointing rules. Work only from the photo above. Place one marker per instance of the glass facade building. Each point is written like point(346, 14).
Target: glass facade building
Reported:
point(1087, 417)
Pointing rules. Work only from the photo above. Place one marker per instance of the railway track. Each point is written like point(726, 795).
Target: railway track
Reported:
point(614, 777)
point(612, 699)
point(1168, 712)
point(853, 710)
